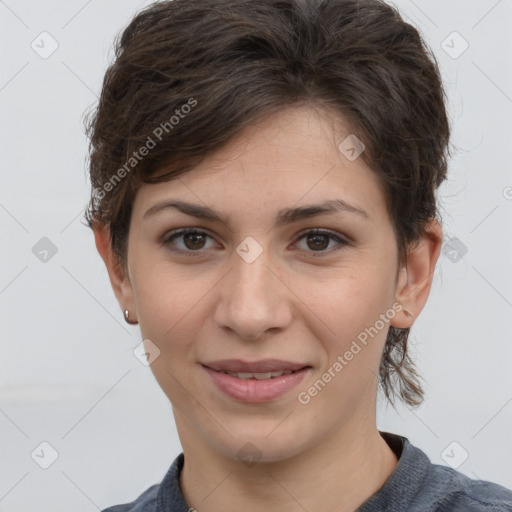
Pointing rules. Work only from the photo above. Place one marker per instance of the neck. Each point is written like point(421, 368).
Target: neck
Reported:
point(340, 474)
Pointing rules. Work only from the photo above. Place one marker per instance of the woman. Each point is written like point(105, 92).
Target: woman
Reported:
point(264, 176)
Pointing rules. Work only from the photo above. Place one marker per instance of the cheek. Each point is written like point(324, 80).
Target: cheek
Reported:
point(350, 312)
point(168, 309)
point(173, 304)
point(355, 312)
point(161, 300)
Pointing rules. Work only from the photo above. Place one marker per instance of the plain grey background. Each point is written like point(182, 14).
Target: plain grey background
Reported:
point(68, 375)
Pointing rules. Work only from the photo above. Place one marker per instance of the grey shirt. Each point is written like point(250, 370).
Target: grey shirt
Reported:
point(416, 485)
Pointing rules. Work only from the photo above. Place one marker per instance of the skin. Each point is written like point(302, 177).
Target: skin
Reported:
point(287, 304)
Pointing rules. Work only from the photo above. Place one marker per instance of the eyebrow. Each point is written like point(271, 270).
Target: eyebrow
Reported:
point(284, 216)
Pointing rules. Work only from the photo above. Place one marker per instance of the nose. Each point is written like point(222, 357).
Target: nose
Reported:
point(254, 300)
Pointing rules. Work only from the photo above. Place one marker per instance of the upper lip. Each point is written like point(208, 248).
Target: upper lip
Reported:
point(262, 366)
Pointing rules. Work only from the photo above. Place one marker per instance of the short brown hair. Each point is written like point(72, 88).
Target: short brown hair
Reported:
point(232, 62)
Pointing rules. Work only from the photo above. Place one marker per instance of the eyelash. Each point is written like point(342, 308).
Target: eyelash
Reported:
point(172, 235)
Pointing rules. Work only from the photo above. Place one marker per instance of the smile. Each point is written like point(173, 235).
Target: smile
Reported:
point(258, 376)
point(255, 382)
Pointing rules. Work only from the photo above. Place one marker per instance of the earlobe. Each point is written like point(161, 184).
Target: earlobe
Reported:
point(415, 279)
point(120, 283)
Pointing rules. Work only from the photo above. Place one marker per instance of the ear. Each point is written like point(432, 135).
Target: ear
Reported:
point(415, 279)
point(118, 279)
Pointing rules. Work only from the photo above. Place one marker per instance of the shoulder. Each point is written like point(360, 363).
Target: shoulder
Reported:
point(165, 495)
point(418, 485)
point(146, 502)
point(453, 491)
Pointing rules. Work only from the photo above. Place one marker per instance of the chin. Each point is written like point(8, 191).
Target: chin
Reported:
point(262, 441)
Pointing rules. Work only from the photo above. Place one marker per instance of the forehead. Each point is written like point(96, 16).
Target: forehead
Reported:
point(289, 158)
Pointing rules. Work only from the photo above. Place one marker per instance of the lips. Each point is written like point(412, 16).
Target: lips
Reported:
point(262, 366)
point(258, 375)
point(255, 382)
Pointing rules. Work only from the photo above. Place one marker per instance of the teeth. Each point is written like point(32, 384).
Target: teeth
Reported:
point(262, 376)
point(258, 376)
point(242, 375)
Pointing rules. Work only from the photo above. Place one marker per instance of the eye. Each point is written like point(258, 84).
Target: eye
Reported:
point(193, 240)
point(318, 240)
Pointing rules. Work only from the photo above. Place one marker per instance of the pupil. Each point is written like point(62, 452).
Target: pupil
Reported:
point(315, 238)
point(194, 237)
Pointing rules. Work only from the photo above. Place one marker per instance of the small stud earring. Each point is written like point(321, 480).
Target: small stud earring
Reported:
point(126, 316)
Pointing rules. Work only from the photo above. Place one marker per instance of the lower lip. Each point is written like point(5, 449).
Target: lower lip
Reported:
point(254, 390)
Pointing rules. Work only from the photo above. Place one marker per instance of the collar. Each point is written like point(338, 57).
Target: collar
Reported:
point(400, 488)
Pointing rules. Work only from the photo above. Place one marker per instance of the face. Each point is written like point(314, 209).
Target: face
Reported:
point(268, 286)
